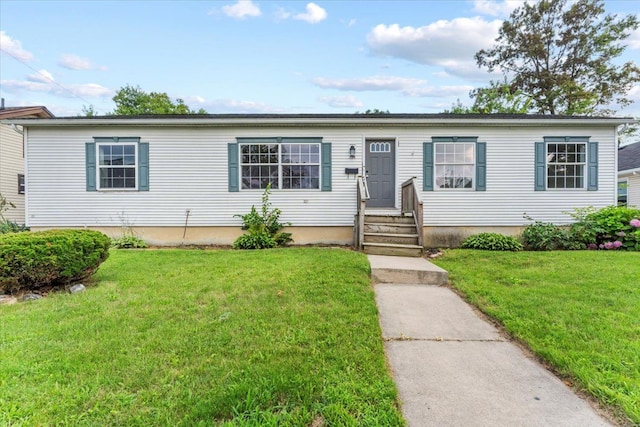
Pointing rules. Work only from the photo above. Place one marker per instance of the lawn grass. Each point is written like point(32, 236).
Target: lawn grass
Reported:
point(578, 310)
point(285, 337)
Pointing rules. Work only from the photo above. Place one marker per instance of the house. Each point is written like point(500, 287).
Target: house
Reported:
point(12, 179)
point(181, 179)
point(629, 175)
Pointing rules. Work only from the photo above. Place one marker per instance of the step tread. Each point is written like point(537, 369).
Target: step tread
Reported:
point(394, 224)
point(392, 245)
point(373, 233)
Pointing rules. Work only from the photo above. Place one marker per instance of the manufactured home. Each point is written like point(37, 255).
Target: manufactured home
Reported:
point(629, 175)
point(336, 177)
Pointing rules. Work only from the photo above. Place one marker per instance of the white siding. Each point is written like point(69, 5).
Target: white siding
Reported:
point(11, 164)
point(188, 170)
point(633, 191)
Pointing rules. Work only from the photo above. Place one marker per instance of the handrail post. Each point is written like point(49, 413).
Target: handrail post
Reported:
point(412, 203)
point(361, 201)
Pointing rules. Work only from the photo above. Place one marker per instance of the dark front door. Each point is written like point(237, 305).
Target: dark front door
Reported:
point(381, 172)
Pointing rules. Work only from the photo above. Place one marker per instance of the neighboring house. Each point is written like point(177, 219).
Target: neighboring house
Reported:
point(12, 177)
point(181, 179)
point(629, 175)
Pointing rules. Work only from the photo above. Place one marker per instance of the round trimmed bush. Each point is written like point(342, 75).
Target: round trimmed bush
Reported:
point(492, 242)
point(49, 258)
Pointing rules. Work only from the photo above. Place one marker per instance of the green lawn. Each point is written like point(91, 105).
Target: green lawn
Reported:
point(192, 337)
point(579, 310)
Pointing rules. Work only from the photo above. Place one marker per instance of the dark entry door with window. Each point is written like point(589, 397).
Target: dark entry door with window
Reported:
point(381, 173)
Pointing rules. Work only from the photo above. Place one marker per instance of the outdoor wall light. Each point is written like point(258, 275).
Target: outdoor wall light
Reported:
point(352, 152)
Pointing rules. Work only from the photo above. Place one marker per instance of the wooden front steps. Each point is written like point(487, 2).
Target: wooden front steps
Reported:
point(391, 235)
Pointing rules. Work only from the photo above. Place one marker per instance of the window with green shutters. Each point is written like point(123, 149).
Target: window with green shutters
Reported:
point(454, 163)
point(284, 163)
point(566, 163)
point(117, 163)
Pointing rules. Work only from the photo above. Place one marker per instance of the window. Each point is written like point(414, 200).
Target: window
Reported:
point(566, 165)
point(566, 162)
point(454, 163)
point(285, 163)
point(117, 163)
point(116, 166)
point(21, 183)
point(623, 186)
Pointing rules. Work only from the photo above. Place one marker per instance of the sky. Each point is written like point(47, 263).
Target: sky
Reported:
point(252, 56)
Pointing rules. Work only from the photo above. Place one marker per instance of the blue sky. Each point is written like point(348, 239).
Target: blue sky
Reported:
point(255, 56)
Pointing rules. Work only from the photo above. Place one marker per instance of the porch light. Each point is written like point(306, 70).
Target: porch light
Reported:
point(352, 152)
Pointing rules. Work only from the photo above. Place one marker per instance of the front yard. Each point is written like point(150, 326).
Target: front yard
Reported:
point(190, 337)
point(578, 310)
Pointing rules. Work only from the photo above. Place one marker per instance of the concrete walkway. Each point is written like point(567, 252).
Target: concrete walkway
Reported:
point(452, 368)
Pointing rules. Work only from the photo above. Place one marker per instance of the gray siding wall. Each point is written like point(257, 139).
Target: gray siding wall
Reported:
point(11, 164)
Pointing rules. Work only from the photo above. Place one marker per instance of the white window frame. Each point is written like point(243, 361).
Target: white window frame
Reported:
point(99, 167)
point(437, 165)
point(582, 164)
point(280, 178)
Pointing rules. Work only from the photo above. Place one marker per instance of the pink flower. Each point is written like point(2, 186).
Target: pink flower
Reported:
point(608, 245)
point(621, 234)
point(592, 246)
point(635, 223)
point(617, 244)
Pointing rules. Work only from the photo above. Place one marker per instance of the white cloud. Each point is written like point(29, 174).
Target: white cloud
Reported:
point(42, 76)
point(242, 9)
point(88, 89)
point(74, 62)
point(14, 48)
point(633, 41)
point(351, 23)
point(223, 106)
point(282, 14)
point(374, 83)
point(448, 44)
point(496, 8)
point(348, 101)
point(313, 14)
point(406, 86)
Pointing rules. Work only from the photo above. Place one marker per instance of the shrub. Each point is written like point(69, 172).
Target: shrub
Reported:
point(263, 227)
point(128, 242)
point(492, 242)
point(545, 236)
point(613, 228)
point(7, 226)
point(49, 258)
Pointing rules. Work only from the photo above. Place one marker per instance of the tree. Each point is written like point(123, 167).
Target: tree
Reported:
point(561, 54)
point(375, 112)
point(89, 111)
point(497, 98)
point(133, 101)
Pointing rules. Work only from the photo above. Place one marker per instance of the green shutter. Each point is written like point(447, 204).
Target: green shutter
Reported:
point(540, 166)
point(234, 172)
point(90, 162)
point(427, 166)
point(143, 166)
point(592, 167)
point(481, 166)
point(326, 166)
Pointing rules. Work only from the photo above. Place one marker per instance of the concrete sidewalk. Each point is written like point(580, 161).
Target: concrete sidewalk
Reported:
point(452, 368)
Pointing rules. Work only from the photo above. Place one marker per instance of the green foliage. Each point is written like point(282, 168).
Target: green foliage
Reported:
point(608, 228)
point(374, 112)
point(128, 242)
point(492, 242)
point(7, 226)
point(133, 101)
point(563, 56)
point(263, 227)
point(545, 236)
point(49, 258)
point(498, 98)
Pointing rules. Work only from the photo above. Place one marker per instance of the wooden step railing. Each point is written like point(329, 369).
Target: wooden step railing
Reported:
point(412, 203)
point(363, 196)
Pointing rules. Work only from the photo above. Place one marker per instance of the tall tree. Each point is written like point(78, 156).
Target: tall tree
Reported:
point(561, 54)
point(133, 100)
point(497, 98)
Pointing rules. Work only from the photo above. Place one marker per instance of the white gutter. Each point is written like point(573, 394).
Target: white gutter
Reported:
point(635, 171)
